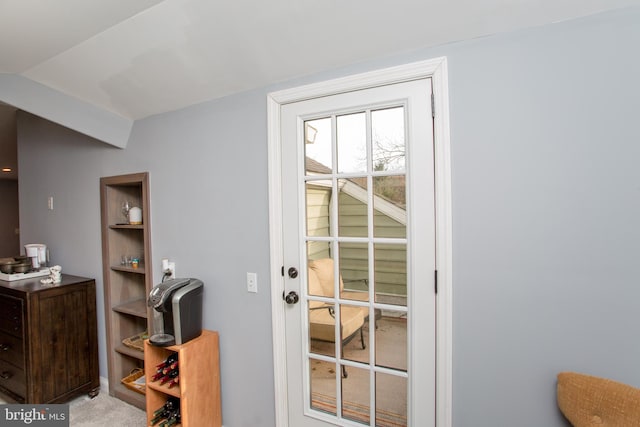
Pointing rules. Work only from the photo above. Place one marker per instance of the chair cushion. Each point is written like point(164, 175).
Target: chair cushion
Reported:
point(324, 270)
point(321, 323)
point(315, 288)
point(591, 401)
point(355, 295)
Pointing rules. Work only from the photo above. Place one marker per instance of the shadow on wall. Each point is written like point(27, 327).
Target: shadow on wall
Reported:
point(9, 219)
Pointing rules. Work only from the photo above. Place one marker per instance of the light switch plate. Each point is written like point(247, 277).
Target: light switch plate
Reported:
point(252, 282)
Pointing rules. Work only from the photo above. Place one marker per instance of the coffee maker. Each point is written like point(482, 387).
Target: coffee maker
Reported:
point(177, 305)
point(37, 253)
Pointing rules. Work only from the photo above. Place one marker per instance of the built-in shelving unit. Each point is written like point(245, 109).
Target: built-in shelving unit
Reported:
point(125, 287)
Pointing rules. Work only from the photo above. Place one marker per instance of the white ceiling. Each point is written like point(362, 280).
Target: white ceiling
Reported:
point(137, 58)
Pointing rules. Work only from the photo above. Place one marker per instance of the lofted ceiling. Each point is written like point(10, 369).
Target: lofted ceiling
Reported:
point(136, 58)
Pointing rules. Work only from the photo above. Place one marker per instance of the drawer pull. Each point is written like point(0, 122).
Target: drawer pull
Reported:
point(4, 347)
point(5, 375)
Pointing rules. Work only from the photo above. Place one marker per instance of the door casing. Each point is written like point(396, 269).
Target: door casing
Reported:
point(436, 69)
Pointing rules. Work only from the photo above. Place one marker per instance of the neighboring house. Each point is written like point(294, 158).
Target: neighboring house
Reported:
point(390, 220)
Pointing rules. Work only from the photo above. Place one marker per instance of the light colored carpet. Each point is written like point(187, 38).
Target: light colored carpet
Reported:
point(101, 411)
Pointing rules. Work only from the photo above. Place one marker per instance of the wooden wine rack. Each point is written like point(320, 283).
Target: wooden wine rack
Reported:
point(199, 386)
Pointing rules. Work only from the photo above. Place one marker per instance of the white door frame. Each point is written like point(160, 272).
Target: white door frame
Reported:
point(436, 69)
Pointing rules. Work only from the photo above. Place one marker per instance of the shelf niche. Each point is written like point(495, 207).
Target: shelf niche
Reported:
point(125, 287)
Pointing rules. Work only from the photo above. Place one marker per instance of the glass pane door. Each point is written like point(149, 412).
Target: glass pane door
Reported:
point(356, 250)
point(358, 221)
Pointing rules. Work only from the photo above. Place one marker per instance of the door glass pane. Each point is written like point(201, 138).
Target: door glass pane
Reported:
point(322, 315)
point(318, 199)
point(352, 142)
point(354, 268)
point(387, 134)
point(321, 329)
point(389, 206)
point(352, 207)
point(391, 400)
point(317, 249)
point(317, 146)
point(323, 386)
point(391, 340)
point(353, 325)
point(320, 276)
point(356, 395)
point(390, 273)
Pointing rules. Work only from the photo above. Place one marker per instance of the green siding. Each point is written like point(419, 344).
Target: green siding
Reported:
point(390, 260)
point(390, 265)
point(352, 220)
point(318, 199)
point(318, 220)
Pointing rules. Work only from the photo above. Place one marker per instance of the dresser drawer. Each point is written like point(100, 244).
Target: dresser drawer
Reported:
point(11, 350)
point(10, 307)
point(13, 327)
point(11, 315)
point(12, 379)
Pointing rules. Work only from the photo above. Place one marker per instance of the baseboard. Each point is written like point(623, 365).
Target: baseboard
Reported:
point(104, 384)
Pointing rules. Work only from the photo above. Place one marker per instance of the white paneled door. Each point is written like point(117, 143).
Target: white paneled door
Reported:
point(359, 252)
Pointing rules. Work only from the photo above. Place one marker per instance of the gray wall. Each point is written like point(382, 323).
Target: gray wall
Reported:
point(546, 204)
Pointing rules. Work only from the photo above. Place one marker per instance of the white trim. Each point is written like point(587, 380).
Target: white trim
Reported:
point(276, 254)
point(444, 245)
point(436, 69)
point(399, 74)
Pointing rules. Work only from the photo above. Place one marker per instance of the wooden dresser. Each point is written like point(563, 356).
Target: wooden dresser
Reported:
point(48, 340)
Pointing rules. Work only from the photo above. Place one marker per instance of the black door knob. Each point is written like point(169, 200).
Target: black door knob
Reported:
point(293, 273)
point(291, 297)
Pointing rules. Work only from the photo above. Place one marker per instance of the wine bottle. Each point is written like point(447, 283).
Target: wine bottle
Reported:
point(169, 376)
point(172, 404)
point(173, 357)
point(161, 416)
point(174, 418)
point(158, 411)
point(170, 367)
point(173, 421)
point(157, 376)
point(174, 382)
point(165, 367)
point(170, 407)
